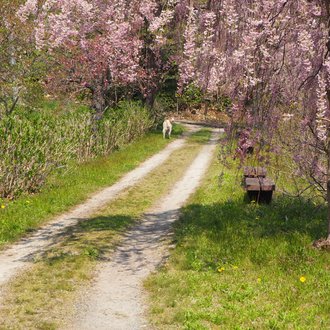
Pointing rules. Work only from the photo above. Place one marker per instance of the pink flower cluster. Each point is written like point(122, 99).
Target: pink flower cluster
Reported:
point(97, 36)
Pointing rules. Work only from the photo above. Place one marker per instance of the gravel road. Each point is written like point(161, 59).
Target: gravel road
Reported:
point(116, 299)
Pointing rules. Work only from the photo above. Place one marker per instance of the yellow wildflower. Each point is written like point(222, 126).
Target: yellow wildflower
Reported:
point(221, 269)
point(3, 206)
point(259, 280)
point(302, 279)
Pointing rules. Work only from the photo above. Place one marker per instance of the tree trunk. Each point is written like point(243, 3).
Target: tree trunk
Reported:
point(328, 193)
point(206, 108)
point(327, 6)
point(98, 103)
point(101, 95)
point(150, 98)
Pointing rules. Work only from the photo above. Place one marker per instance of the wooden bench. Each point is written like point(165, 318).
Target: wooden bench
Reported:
point(258, 187)
point(254, 172)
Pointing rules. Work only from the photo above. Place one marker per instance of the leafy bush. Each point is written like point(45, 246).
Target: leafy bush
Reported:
point(33, 145)
point(163, 105)
point(223, 103)
point(192, 96)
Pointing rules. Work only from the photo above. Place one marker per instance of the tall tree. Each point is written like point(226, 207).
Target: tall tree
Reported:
point(102, 44)
point(272, 58)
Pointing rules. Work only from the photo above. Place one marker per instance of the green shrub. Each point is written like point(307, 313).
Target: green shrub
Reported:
point(223, 103)
point(163, 105)
point(192, 96)
point(33, 145)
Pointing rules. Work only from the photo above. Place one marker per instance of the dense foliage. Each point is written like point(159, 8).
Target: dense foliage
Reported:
point(33, 145)
point(21, 66)
point(272, 58)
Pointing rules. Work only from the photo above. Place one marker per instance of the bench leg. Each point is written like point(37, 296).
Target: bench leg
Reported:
point(267, 196)
point(253, 195)
point(260, 196)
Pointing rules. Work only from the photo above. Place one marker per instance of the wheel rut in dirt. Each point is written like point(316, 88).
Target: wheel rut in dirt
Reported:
point(116, 298)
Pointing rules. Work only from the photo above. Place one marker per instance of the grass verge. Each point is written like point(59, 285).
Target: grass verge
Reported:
point(243, 266)
point(42, 297)
point(73, 186)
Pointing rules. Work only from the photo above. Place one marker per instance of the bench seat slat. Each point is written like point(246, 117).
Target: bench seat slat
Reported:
point(252, 184)
point(257, 184)
point(254, 172)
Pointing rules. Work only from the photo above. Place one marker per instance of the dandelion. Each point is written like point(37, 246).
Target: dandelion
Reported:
point(3, 206)
point(221, 269)
point(302, 279)
point(259, 280)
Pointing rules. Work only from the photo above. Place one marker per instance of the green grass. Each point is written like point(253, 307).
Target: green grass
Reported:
point(73, 186)
point(201, 136)
point(42, 297)
point(239, 265)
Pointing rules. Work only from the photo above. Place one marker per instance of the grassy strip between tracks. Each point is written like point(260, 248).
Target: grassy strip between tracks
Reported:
point(43, 296)
point(73, 186)
point(243, 266)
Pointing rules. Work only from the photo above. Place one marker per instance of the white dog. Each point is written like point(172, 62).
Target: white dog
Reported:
point(167, 127)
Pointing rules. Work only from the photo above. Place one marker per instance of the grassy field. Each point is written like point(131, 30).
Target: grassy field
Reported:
point(72, 186)
point(243, 266)
point(42, 297)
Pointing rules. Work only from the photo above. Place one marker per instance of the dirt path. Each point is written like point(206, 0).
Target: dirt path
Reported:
point(20, 255)
point(116, 301)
